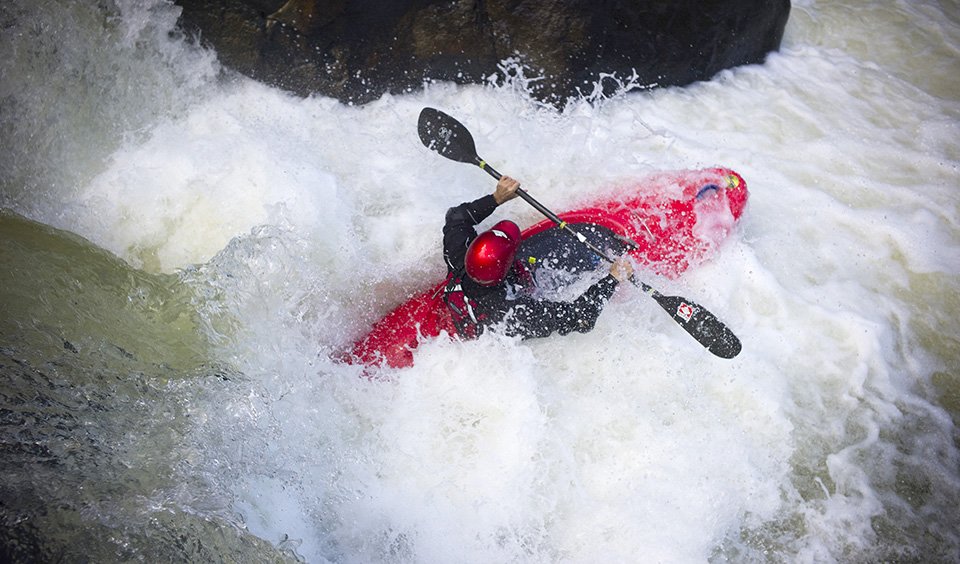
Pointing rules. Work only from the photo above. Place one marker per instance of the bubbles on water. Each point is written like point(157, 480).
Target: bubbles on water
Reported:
point(295, 223)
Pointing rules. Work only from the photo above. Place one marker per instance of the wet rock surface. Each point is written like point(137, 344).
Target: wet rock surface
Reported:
point(357, 51)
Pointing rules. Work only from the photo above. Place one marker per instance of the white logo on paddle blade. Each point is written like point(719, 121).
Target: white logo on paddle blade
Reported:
point(685, 311)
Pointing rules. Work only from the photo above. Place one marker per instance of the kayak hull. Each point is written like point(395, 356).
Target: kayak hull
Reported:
point(667, 223)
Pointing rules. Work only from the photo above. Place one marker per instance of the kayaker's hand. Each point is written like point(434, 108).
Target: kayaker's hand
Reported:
point(506, 189)
point(621, 270)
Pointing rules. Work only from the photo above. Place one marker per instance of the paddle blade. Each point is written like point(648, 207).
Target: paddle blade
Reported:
point(702, 325)
point(447, 136)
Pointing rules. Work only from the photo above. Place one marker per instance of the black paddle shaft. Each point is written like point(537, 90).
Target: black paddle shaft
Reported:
point(546, 212)
point(441, 133)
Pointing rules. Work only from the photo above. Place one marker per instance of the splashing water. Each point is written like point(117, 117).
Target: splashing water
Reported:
point(186, 392)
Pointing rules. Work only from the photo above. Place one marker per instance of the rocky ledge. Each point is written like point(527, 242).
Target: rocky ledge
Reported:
point(357, 51)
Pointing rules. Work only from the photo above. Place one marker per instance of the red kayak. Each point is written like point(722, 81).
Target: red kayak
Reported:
point(667, 222)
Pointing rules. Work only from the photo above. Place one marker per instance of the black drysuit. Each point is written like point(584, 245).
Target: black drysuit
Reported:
point(524, 315)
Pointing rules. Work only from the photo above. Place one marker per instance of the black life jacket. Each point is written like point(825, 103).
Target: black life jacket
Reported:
point(465, 319)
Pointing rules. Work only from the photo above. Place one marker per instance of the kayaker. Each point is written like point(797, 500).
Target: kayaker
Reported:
point(482, 274)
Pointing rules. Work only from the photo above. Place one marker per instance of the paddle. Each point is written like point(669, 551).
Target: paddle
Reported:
point(441, 133)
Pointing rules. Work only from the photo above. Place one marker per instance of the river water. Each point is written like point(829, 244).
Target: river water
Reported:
point(184, 249)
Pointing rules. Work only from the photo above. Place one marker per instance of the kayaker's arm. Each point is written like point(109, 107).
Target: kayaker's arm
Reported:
point(506, 189)
point(458, 227)
point(530, 318)
point(621, 269)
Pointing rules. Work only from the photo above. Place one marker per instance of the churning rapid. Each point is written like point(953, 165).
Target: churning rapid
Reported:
point(184, 249)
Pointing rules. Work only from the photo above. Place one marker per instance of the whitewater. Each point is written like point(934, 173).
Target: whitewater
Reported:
point(185, 249)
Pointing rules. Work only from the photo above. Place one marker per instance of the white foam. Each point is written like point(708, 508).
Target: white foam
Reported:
point(307, 220)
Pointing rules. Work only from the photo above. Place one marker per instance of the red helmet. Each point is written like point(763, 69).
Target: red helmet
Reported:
point(490, 255)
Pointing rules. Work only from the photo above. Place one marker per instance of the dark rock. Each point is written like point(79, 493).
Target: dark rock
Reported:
point(357, 51)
